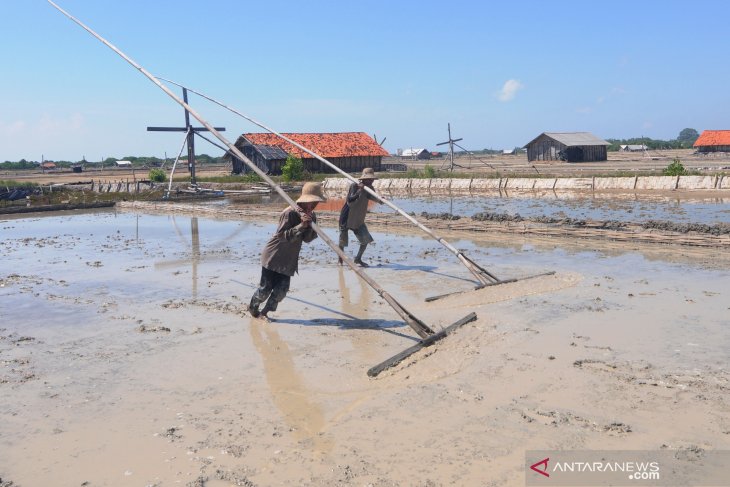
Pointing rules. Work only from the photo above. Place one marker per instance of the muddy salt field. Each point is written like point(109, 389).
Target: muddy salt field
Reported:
point(127, 357)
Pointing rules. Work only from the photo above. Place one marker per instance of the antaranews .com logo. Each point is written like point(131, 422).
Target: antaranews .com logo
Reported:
point(626, 467)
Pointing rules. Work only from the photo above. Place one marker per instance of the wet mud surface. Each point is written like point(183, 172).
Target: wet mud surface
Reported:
point(127, 357)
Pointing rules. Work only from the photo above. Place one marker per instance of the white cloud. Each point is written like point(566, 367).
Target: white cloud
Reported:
point(12, 129)
point(509, 90)
point(21, 138)
point(49, 126)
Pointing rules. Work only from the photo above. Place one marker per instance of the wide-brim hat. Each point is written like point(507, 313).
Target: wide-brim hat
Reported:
point(368, 173)
point(311, 192)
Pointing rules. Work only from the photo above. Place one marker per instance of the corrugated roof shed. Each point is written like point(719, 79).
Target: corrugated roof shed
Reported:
point(271, 152)
point(412, 152)
point(713, 137)
point(572, 139)
point(340, 144)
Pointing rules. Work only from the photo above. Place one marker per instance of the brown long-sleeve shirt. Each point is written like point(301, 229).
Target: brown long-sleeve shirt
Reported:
point(352, 215)
point(281, 253)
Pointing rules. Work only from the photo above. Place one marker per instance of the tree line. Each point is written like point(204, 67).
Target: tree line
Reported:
point(141, 161)
point(685, 140)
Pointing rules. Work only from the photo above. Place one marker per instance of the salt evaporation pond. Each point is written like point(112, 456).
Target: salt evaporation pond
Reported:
point(633, 208)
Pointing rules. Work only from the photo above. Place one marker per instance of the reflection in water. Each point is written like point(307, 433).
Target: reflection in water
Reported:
point(288, 391)
point(360, 308)
point(364, 345)
point(336, 204)
point(195, 256)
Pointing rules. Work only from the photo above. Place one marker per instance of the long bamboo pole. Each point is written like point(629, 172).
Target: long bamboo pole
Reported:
point(418, 326)
point(480, 273)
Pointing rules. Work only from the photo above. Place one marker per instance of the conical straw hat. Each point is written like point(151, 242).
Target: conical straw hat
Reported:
point(311, 192)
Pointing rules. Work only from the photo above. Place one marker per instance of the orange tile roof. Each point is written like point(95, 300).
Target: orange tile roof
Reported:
point(342, 144)
point(713, 137)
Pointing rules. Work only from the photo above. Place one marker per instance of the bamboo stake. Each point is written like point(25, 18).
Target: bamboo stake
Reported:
point(174, 165)
point(480, 273)
point(418, 326)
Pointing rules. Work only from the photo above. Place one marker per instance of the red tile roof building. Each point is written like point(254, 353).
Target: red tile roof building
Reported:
point(713, 141)
point(350, 151)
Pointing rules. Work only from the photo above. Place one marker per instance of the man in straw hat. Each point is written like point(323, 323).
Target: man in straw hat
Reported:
point(352, 215)
point(280, 258)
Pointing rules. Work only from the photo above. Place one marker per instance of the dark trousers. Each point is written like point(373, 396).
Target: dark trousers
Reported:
point(273, 286)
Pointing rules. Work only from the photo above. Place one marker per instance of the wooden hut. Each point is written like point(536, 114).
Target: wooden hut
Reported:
point(713, 141)
point(350, 151)
point(567, 146)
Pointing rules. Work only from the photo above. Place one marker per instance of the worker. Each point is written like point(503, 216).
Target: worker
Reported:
point(352, 215)
point(280, 258)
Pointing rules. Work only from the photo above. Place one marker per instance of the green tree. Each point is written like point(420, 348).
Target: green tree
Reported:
point(688, 137)
point(676, 168)
point(157, 175)
point(429, 172)
point(293, 169)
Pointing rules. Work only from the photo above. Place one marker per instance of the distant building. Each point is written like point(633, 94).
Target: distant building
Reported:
point(124, 163)
point(415, 154)
point(633, 147)
point(713, 141)
point(350, 151)
point(508, 152)
point(48, 165)
point(567, 146)
point(436, 154)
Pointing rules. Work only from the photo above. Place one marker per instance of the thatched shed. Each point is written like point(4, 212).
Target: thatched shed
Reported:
point(567, 146)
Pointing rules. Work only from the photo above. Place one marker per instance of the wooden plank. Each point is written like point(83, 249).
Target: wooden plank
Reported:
point(426, 342)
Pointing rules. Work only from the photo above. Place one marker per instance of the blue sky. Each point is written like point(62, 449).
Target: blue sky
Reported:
point(500, 72)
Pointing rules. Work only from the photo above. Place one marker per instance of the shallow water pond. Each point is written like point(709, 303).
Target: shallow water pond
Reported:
point(633, 208)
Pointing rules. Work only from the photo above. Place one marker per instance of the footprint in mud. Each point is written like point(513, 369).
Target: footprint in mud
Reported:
point(153, 329)
point(563, 418)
